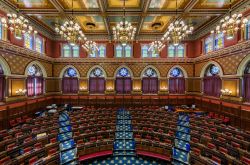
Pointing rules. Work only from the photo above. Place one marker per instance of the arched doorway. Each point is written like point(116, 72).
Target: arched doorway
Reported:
point(34, 81)
point(123, 82)
point(176, 81)
point(70, 81)
point(96, 81)
point(212, 82)
point(150, 81)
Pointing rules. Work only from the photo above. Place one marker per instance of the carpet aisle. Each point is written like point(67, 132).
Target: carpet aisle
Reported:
point(182, 138)
point(68, 151)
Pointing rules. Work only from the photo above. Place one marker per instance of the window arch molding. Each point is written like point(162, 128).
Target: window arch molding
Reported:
point(124, 66)
point(242, 65)
point(39, 65)
point(67, 67)
point(5, 66)
point(179, 67)
point(153, 67)
point(205, 67)
point(94, 67)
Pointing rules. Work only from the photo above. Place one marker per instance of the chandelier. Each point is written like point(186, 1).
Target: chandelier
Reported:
point(17, 24)
point(72, 32)
point(156, 46)
point(90, 47)
point(177, 31)
point(124, 32)
point(230, 24)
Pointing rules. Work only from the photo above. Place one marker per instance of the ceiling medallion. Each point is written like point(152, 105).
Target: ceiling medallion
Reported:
point(90, 25)
point(230, 24)
point(124, 32)
point(177, 31)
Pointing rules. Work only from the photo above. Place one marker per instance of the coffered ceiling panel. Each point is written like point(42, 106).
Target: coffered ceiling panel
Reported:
point(49, 21)
point(155, 24)
point(167, 4)
point(43, 4)
point(91, 23)
point(128, 3)
point(79, 4)
point(206, 4)
point(197, 21)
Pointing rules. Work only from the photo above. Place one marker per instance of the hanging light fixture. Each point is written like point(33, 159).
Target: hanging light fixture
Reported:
point(124, 32)
point(177, 31)
point(230, 24)
point(17, 23)
point(71, 31)
point(157, 45)
point(90, 47)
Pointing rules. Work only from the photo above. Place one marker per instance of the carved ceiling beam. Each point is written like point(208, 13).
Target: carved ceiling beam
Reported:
point(190, 5)
point(143, 15)
point(57, 5)
point(105, 19)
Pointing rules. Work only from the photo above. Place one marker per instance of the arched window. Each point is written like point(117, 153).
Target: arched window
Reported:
point(39, 45)
point(118, 51)
point(70, 51)
point(123, 51)
point(144, 50)
point(248, 30)
point(70, 81)
point(75, 51)
point(212, 81)
point(219, 41)
point(101, 52)
point(1, 30)
point(96, 81)
point(28, 41)
point(150, 81)
point(209, 44)
point(171, 51)
point(176, 51)
point(176, 81)
point(246, 83)
point(123, 82)
point(180, 50)
point(2, 83)
point(34, 81)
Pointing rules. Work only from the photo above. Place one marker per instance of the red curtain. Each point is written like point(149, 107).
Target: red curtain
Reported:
point(96, 85)
point(212, 86)
point(246, 90)
point(123, 85)
point(39, 85)
point(70, 85)
point(177, 85)
point(2, 86)
point(30, 86)
point(150, 85)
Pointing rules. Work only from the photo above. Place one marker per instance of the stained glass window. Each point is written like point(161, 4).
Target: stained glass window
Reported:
point(219, 41)
point(28, 41)
point(75, 51)
point(128, 51)
point(70, 51)
point(150, 72)
point(180, 51)
point(212, 70)
point(1, 31)
point(97, 72)
point(248, 30)
point(70, 72)
point(39, 45)
point(209, 44)
point(144, 50)
point(102, 51)
point(171, 51)
point(123, 72)
point(118, 51)
point(176, 72)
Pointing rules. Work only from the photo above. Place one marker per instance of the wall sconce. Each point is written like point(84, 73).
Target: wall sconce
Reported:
point(226, 92)
point(21, 92)
point(83, 88)
point(164, 89)
point(137, 88)
point(110, 88)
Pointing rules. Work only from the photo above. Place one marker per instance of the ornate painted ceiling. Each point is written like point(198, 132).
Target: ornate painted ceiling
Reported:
point(99, 16)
